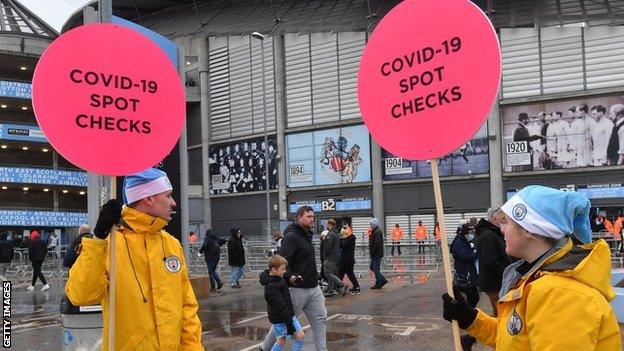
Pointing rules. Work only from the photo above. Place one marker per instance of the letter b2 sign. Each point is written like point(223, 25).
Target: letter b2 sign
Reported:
point(329, 205)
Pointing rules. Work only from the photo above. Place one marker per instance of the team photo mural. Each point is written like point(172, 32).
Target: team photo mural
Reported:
point(470, 158)
point(564, 134)
point(331, 156)
point(239, 167)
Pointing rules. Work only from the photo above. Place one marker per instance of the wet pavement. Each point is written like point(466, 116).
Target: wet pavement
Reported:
point(404, 315)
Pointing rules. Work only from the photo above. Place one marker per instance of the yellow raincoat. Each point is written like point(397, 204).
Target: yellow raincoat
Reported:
point(149, 266)
point(562, 304)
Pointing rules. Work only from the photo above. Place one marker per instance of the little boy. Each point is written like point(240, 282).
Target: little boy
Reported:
point(279, 304)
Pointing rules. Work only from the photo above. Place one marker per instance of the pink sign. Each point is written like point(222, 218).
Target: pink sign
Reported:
point(108, 99)
point(428, 77)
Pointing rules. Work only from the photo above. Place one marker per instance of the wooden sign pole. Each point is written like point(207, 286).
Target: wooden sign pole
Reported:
point(111, 274)
point(446, 258)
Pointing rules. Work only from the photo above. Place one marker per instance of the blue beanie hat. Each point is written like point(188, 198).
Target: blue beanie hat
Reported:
point(374, 222)
point(550, 212)
point(146, 183)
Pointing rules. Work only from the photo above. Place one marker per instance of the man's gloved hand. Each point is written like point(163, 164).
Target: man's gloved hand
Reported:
point(290, 327)
point(109, 214)
point(457, 309)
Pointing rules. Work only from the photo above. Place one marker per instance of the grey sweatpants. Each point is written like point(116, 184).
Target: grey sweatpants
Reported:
point(312, 302)
point(329, 268)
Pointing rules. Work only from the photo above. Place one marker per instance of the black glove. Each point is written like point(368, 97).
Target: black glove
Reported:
point(290, 327)
point(457, 309)
point(109, 214)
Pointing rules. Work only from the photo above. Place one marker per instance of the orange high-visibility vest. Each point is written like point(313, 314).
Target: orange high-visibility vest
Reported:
point(397, 234)
point(421, 232)
point(617, 228)
point(608, 225)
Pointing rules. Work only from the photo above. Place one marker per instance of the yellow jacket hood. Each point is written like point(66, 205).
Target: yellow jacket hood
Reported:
point(589, 264)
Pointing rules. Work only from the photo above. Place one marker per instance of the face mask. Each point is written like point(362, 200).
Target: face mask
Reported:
point(470, 237)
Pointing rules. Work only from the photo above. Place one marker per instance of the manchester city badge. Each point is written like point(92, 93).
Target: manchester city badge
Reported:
point(172, 263)
point(514, 324)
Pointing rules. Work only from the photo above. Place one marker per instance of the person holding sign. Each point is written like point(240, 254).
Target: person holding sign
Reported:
point(556, 297)
point(156, 308)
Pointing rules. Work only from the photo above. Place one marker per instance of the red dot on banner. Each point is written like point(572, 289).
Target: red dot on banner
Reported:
point(108, 99)
point(428, 77)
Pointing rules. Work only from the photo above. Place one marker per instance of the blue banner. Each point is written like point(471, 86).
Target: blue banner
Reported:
point(602, 191)
point(42, 218)
point(22, 132)
point(15, 89)
point(592, 191)
point(42, 176)
point(333, 205)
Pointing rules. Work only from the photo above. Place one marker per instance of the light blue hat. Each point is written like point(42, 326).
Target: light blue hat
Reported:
point(374, 222)
point(550, 212)
point(146, 183)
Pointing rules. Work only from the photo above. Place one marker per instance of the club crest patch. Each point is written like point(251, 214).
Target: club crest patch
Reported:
point(172, 263)
point(514, 324)
point(519, 212)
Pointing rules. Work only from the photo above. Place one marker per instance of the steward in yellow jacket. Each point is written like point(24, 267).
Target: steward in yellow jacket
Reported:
point(557, 296)
point(155, 307)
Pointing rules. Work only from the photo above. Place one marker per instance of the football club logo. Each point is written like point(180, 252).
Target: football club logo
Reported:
point(519, 212)
point(514, 325)
point(172, 263)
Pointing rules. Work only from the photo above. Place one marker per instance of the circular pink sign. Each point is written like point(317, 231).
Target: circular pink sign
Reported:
point(428, 77)
point(108, 99)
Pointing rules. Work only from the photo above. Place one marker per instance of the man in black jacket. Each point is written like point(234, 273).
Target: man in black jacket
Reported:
point(236, 257)
point(331, 253)
point(492, 258)
point(301, 275)
point(376, 250)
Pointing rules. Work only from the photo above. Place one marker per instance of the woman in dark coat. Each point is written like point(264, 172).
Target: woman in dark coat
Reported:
point(37, 251)
point(236, 257)
point(464, 257)
point(211, 248)
point(466, 278)
point(347, 259)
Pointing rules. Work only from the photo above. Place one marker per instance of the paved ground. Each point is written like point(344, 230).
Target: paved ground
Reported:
point(405, 315)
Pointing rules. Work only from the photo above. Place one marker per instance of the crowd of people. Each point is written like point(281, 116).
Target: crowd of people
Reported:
point(578, 137)
point(534, 259)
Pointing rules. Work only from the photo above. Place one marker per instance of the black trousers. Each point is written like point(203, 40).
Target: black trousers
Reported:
point(347, 268)
point(37, 272)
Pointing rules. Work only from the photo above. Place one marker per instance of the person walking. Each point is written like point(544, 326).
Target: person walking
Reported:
point(155, 308)
point(236, 257)
point(421, 235)
point(492, 258)
point(347, 259)
point(556, 296)
point(37, 251)
point(279, 305)
point(331, 255)
point(211, 248)
point(376, 251)
point(397, 235)
point(53, 246)
point(301, 276)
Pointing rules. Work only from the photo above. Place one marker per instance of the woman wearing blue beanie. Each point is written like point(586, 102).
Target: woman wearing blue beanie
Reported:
point(556, 297)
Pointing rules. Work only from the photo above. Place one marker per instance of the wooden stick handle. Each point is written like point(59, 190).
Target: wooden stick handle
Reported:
point(446, 257)
point(112, 275)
